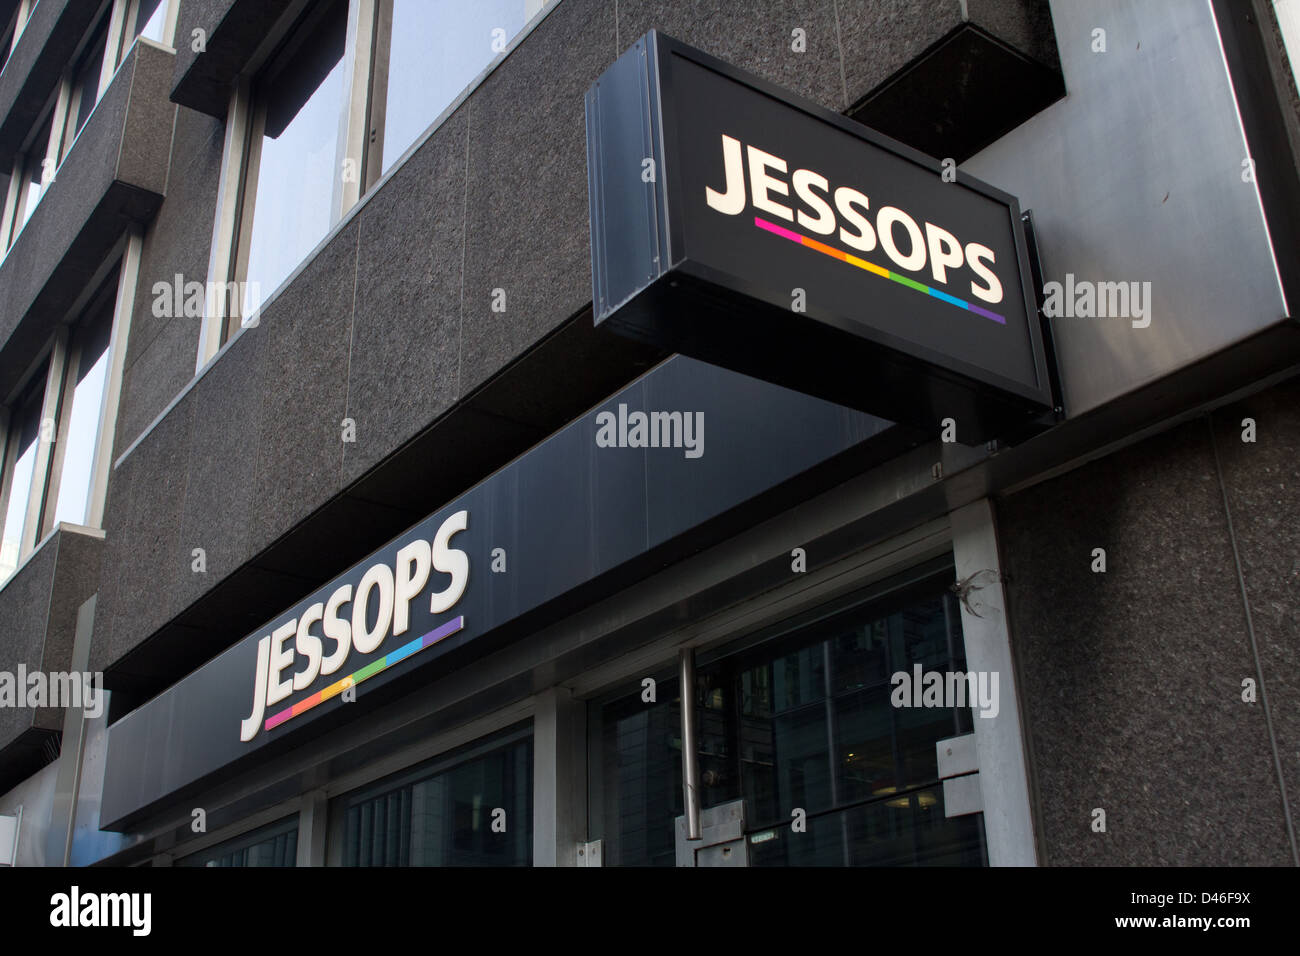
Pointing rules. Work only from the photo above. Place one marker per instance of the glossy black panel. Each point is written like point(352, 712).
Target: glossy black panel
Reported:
point(556, 527)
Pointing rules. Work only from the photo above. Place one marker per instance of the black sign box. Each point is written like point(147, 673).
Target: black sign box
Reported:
point(739, 224)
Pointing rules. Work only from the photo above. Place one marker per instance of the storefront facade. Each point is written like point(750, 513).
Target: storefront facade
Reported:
point(411, 564)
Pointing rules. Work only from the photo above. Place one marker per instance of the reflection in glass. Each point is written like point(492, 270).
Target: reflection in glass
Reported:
point(82, 431)
point(25, 433)
point(445, 817)
point(438, 48)
point(150, 20)
point(804, 720)
point(272, 845)
point(297, 166)
point(33, 171)
point(907, 830)
point(85, 85)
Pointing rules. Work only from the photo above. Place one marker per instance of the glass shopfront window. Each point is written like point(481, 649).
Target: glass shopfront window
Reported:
point(473, 807)
point(273, 845)
point(800, 720)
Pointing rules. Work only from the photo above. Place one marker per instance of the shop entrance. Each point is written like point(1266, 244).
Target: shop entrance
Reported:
point(803, 758)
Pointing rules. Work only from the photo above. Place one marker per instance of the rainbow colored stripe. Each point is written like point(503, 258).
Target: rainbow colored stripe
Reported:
point(872, 267)
point(370, 670)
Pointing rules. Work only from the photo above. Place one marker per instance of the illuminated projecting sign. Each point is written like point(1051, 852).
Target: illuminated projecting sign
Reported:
point(738, 224)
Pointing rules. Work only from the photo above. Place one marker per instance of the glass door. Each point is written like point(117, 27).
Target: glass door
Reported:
point(802, 726)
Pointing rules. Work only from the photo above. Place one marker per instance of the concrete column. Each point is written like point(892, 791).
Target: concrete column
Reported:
point(312, 820)
point(999, 743)
point(559, 778)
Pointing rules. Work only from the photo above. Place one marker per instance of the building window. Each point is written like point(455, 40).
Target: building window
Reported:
point(84, 84)
point(150, 20)
point(290, 176)
point(473, 807)
point(84, 398)
point(352, 87)
point(1288, 20)
point(19, 470)
point(54, 459)
point(435, 48)
point(31, 175)
point(153, 19)
point(273, 845)
point(804, 720)
point(9, 35)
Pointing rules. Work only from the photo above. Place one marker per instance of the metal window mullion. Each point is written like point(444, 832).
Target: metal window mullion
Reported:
point(70, 123)
point(232, 314)
point(169, 24)
point(71, 368)
point(20, 23)
point(354, 127)
point(58, 121)
point(106, 431)
point(377, 120)
point(221, 259)
point(115, 45)
point(12, 197)
point(690, 753)
point(7, 459)
point(41, 468)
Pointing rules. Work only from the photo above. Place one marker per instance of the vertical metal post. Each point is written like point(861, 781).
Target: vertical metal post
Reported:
point(354, 131)
point(169, 25)
point(559, 778)
point(312, 822)
point(999, 741)
point(690, 761)
point(222, 257)
point(47, 436)
point(832, 757)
